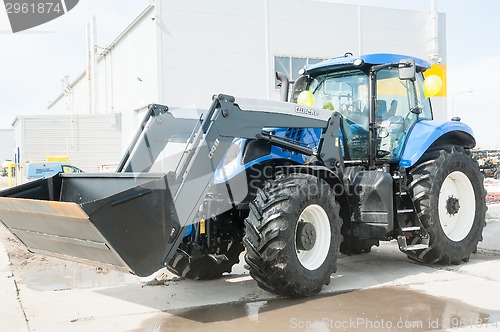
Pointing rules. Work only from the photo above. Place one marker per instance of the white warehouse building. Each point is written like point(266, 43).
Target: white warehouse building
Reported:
point(180, 53)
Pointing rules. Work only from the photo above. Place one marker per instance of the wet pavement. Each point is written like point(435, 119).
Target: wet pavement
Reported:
point(382, 291)
point(379, 309)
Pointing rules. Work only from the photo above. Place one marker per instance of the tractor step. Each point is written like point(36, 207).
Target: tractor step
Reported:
point(402, 211)
point(218, 258)
point(410, 229)
point(403, 246)
point(416, 247)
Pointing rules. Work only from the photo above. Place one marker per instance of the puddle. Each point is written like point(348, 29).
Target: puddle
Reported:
point(55, 280)
point(381, 309)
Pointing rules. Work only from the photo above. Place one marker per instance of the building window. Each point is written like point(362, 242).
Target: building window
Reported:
point(290, 66)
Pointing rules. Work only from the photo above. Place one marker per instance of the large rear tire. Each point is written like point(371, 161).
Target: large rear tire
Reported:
point(449, 197)
point(293, 235)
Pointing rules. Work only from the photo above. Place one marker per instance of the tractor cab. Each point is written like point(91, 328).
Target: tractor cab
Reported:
point(379, 98)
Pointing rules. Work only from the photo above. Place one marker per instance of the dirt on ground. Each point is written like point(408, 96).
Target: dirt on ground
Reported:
point(493, 190)
point(20, 258)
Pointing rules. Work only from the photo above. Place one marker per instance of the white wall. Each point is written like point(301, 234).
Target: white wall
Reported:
point(7, 144)
point(89, 141)
point(181, 53)
point(220, 46)
point(131, 79)
point(312, 29)
point(210, 47)
point(126, 75)
point(127, 72)
point(395, 31)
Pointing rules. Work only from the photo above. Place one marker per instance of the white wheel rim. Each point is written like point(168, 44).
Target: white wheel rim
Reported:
point(314, 258)
point(457, 225)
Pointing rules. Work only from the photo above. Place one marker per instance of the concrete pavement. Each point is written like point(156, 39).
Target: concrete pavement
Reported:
point(11, 312)
point(68, 296)
point(48, 294)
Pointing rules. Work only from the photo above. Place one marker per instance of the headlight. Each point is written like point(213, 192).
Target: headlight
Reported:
point(306, 98)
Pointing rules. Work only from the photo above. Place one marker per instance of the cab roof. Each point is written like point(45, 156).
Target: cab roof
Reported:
point(369, 59)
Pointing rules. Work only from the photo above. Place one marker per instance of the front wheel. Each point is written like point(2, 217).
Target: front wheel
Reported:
point(293, 235)
point(449, 197)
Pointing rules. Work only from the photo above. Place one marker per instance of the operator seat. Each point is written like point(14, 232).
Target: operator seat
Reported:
point(392, 108)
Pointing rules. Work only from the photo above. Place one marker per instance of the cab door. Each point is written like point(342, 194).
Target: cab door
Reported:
point(399, 105)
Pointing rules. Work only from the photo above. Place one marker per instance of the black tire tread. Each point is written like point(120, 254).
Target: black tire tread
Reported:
point(267, 244)
point(423, 187)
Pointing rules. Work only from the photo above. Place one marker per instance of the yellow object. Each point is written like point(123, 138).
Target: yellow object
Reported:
point(202, 226)
point(439, 70)
point(305, 98)
point(329, 106)
point(57, 158)
point(432, 85)
point(10, 166)
point(8, 163)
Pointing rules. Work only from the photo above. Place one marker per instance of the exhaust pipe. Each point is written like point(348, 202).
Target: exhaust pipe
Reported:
point(284, 85)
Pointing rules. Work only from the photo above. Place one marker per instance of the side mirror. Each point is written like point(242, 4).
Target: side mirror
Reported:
point(407, 69)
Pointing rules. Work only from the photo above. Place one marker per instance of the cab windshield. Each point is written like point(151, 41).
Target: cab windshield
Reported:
point(399, 105)
point(345, 92)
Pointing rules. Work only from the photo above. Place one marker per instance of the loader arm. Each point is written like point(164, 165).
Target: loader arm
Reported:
point(225, 120)
point(140, 227)
point(244, 118)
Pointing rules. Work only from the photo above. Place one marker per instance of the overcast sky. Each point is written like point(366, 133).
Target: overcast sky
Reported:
point(33, 63)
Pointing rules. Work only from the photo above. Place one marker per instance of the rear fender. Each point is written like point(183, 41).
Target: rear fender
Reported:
point(427, 132)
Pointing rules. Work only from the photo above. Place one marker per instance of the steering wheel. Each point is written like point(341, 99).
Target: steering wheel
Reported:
point(351, 108)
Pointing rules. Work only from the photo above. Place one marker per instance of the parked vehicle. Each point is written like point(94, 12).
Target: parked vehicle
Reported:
point(294, 183)
point(488, 162)
point(44, 169)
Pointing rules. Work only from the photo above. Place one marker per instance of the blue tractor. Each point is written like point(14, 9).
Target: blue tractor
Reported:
point(351, 156)
point(405, 176)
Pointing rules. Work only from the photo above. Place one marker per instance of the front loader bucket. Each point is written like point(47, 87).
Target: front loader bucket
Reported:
point(125, 220)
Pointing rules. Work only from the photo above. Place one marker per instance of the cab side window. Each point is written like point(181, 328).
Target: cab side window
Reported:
point(70, 169)
point(399, 106)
